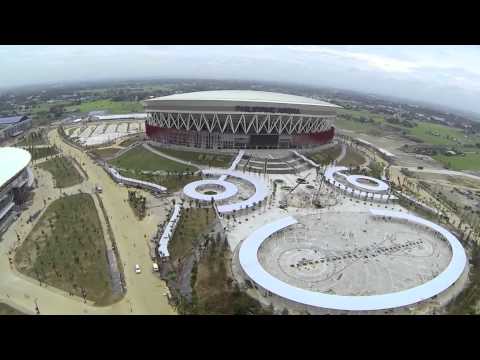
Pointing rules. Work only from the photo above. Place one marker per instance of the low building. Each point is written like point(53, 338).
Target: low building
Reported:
point(14, 125)
point(16, 179)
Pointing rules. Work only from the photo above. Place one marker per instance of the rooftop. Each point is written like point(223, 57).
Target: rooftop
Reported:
point(244, 96)
point(11, 119)
point(13, 161)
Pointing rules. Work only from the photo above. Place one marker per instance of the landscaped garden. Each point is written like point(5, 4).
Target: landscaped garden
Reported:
point(63, 171)
point(66, 249)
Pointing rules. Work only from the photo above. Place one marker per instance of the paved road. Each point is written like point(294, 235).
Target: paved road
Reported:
point(342, 154)
point(440, 171)
point(145, 292)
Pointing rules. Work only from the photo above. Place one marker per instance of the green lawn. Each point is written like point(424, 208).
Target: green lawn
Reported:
point(215, 160)
point(172, 182)
point(105, 153)
point(45, 107)
point(114, 107)
point(8, 310)
point(140, 159)
point(63, 172)
point(352, 158)
point(365, 113)
point(426, 132)
point(192, 225)
point(215, 292)
point(213, 289)
point(39, 153)
point(327, 155)
point(129, 141)
point(467, 162)
point(33, 138)
point(66, 249)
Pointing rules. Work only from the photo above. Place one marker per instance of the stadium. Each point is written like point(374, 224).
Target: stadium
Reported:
point(16, 178)
point(240, 119)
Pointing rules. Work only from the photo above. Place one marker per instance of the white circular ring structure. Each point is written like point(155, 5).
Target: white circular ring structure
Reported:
point(249, 261)
point(380, 186)
point(332, 171)
point(191, 190)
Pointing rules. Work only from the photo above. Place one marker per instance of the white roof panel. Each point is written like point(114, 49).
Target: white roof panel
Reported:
point(244, 96)
point(12, 161)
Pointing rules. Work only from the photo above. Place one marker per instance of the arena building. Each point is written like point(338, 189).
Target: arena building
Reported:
point(239, 119)
point(16, 178)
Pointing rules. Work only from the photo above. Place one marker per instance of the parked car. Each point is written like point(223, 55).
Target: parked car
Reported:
point(137, 269)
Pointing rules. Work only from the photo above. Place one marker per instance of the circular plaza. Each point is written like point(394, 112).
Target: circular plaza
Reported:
point(207, 190)
point(367, 183)
point(353, 262)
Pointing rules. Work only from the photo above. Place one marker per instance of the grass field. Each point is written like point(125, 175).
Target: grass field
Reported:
point(425, 131)
point(129, 141)
point(38, 153)
point(213, 289)
point(352, 158)
point(105, 153)
point(215, 292)
point(114, 107)
point(8, 310)
point(468, 162)
point(140, 159)
point(45, 107)
point(192, 225)
point(173, 182)
point(215, 160)
point(467, 302)
point(327, 155)
point(63, 171)
point(66, 249)
point(365, 113)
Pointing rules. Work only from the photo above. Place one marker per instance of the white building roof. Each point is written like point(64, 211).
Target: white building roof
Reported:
point(250, 264)
point(12, 161)
point(244, 96)
point(121, 116)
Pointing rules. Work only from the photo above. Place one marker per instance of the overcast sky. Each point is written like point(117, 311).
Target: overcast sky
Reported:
point(448, 75)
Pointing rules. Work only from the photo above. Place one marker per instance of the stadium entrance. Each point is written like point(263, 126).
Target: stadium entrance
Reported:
point(263, 141)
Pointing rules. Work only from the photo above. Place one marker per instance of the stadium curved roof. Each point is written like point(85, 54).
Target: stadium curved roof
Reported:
point(12, 160)
point(241, 96)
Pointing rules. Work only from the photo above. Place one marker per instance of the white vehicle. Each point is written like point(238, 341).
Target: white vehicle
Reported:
point(137, 269)
point(155, 267)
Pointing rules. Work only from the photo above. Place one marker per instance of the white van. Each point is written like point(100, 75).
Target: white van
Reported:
point(155, 267)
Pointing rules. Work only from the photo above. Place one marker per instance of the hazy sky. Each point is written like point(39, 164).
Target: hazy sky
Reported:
point(448, 75)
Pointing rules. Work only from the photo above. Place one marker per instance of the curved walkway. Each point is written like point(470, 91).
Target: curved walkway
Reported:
point(261, 189)
point(342, 154)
